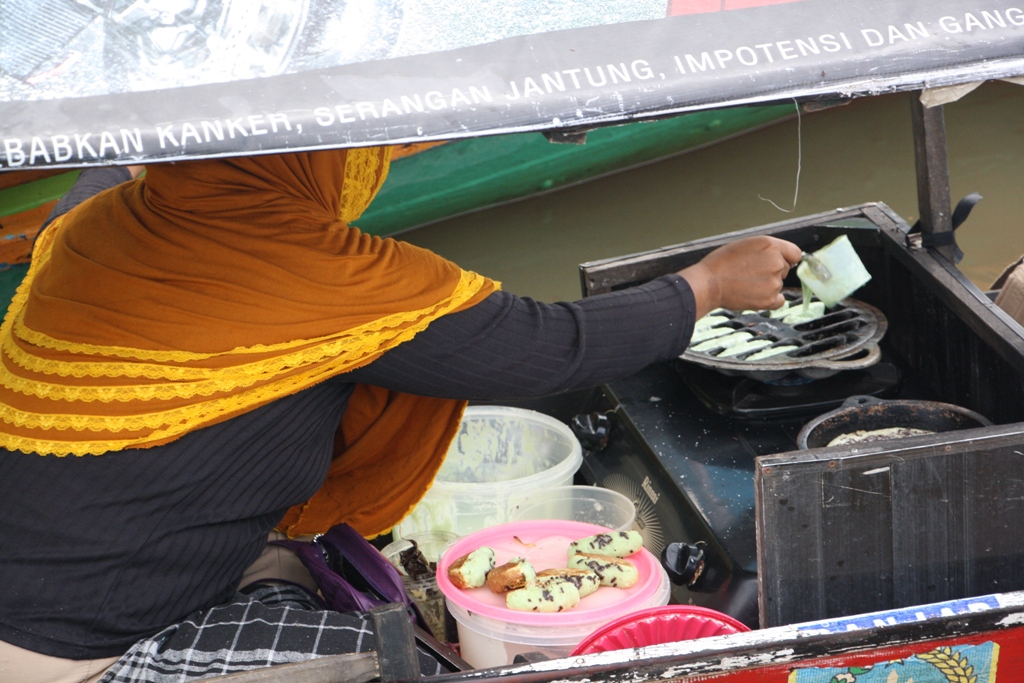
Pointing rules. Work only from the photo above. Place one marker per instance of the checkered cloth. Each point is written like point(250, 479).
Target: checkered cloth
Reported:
point(270, 625)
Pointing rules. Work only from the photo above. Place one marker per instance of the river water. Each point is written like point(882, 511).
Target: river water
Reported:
point(853, 154)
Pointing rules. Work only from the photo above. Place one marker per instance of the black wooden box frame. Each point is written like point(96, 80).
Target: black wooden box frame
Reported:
point(845, 530)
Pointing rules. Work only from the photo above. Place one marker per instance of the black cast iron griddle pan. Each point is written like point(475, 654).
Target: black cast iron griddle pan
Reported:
point(869, 414)
point(845, 338)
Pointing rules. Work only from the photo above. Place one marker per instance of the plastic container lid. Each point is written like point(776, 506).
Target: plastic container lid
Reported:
point(498, 445)
point(545, 543)
point(499, 455)
point(432, 545)
point(589, 504)
point(657, 625)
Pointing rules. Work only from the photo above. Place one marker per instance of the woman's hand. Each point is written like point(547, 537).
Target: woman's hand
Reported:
point(745, 274)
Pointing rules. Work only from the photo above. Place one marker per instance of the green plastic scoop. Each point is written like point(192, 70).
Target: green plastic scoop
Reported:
point(834, 272)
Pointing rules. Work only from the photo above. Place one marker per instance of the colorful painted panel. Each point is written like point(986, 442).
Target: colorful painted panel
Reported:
point(956, 664)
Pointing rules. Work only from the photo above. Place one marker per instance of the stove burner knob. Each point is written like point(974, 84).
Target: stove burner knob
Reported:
point(683, 562)
point(592, 430)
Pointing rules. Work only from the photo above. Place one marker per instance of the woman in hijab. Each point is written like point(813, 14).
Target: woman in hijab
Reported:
point(209, 353)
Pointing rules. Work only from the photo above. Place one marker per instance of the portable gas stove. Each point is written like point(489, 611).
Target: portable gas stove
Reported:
point(680, 439)
point(681, 444)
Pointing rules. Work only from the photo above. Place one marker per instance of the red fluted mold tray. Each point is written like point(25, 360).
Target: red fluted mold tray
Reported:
point(656, 625)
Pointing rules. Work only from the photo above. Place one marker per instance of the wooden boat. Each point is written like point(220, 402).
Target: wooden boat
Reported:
point(842, 564)
point(954, 642)
point(911, 574)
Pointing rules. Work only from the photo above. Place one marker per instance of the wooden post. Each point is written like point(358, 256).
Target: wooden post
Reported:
point(933, 200)
point(396, 646)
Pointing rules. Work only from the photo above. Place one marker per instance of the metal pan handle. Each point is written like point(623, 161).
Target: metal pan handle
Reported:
point(873, 356)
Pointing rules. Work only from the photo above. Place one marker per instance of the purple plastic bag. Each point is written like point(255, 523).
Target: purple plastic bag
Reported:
point(338, 593)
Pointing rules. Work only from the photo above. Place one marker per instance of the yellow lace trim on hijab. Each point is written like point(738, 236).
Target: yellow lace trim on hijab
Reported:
point(160, 425)
point(350, 349)
point(363, 178)
point(350, 343)
point(297, 365)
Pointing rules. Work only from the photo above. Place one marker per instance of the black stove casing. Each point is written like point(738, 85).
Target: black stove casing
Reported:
point(685, 441)
point(690, 469)
point(690, 473)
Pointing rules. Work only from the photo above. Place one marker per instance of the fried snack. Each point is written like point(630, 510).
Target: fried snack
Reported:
point(514, 574)
point(554, 596)
point(614, 571)
point(611, 544)
point(585, 580)
point(470, 570)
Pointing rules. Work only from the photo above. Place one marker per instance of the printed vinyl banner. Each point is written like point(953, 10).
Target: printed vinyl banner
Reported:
point(90, 82)
point(956, 664)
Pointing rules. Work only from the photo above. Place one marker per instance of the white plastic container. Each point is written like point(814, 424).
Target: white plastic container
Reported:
point(486, 643)
point(491, 635)
point(590, 504)
point(846, 272)
point(424, 591)
point(500, 455)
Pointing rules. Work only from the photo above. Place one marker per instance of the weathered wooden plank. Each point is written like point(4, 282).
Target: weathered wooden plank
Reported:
point(794, 511)
point(770, 655)
point(928, 501)
point(995, 518)
point(354, 668)
point(606, 275)
point(396, 646)
point(933, 201)
point(856, 540)
point(903, 523)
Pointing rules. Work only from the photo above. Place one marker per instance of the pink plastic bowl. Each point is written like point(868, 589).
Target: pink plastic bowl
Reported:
point(657, 625)
point(545, 543)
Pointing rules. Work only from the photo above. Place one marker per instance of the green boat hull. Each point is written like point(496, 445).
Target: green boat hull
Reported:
point(471, 174)
point(9, 281)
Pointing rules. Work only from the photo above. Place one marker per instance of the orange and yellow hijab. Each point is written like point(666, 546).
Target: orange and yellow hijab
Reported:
point(210, 288)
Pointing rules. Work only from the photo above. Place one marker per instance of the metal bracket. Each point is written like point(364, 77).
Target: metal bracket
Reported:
point(571, 136)
point(530, 658)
